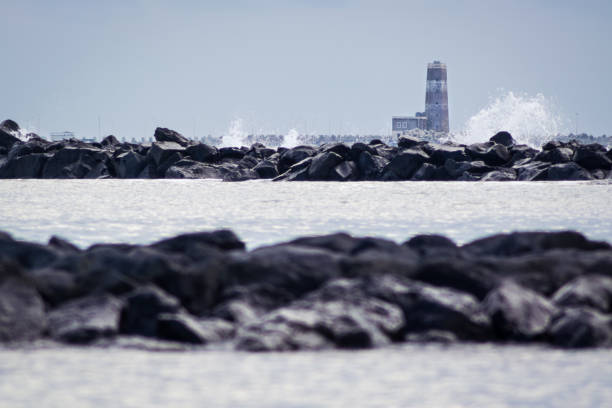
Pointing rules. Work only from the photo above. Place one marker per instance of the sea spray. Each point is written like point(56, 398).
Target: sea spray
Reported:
point(530, 119)
point(291, 139)
point(235, 136)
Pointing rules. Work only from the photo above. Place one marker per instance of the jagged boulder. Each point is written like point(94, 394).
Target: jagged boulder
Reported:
point(503, 138)
point(167, 135)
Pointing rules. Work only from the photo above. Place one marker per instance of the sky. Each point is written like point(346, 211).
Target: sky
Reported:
point(337, 66)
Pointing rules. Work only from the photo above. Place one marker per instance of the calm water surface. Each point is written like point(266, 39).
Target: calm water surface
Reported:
point(407, 376)
point(262, 212)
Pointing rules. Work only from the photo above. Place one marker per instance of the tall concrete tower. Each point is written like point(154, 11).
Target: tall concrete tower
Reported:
point(436, 97)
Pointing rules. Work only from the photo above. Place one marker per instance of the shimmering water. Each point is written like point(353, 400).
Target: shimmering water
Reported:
point(141, 211)
point(407, 376)
point(261, 212)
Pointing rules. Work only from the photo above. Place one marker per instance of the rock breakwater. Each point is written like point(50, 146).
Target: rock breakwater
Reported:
point(312, 293)
point(174, 156)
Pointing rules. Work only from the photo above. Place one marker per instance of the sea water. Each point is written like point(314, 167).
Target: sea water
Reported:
point(263, 212)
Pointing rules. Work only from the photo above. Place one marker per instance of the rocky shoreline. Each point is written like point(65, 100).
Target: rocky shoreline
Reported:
point(174, 156)
point(313, 293)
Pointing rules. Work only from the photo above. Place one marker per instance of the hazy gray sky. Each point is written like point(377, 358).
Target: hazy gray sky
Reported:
point(339, 65)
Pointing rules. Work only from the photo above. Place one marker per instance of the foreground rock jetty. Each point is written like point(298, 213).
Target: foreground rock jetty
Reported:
point(174, 156)
point(322, 292)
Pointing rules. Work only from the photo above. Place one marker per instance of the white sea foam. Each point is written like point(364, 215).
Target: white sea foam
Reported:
point(291, 139)
point(235, 136)
point(531, 120)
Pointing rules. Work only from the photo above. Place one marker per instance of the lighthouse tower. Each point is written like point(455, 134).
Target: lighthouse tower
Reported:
point(436, 98)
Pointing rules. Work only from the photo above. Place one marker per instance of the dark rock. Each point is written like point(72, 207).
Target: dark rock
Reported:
point(425, 173)
point(432, 245)
point(407, 162)
point(520, 152)
point(518, 313)
point(73, 162)
point(142, 308)
point(553, 144)
point(27, 254)
point(593, 291)
point(592, 157)
point(528, 170)
point(110, 141)
point(24, 167)
point(407, 142)
point(189, 169)
point(292, 156)
point(266, 169)
point(429, 308)
point(85, 320)
point(260, 152)
point(581, 327)
point(224, 240)
point(231, 153)
point(441, 153)
point(8, 131)
point(128, 165)
point(345, 171)
point(555, 156)
point(503, 138)
point(322, 164)
point(358, 148)
point(55, 286)
point(371, 166)
point(203, 153)
point(493, 154)
point(567, 171)
point(62, 244)
point(22, 311)
point(468, 276)
point(518, 243)
point(170, 161)
point(240, 175)
point(161, 151)
point(374, 142)
point(500, 175)
point(167, 135)
point(340, 149)
point(181, 328)
point(248, 162)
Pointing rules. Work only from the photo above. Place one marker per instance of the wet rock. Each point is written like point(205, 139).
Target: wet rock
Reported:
point(371, 166)
point(518, 313)
point(520, 152)
point(358, 148)
point(224, 240)
point(503, 138)
point(240, 174)
point(407, 142)
point(567, 171)
point(22, 311)
point(161, 151)
point(203, 153)
point(73, 162)
point(24, 167)
point(27, 254)
point(345, 171)
point(528, 170)
point(110, 141)
point(441, 153)
point(189, 169)
point(293, 156)
point(322, 164)
point(266, 169)
point(425, 173)
point(129, 164)
point(518, 243)
point(142, 308)
point(55, 286)
point(340, 149)
point(593, 291)
point(407, 162)
point(556, 155)
point(493, 154)
point(8, 130)
point(580, 328)
point(167, 135)
point(500, 175)
point(85, 320)
point(181, 328)
point(231, 153)
point(592, 157)
point(432, 245)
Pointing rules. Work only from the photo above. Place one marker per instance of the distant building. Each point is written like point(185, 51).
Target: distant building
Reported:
point(435, 117)
point(57, 136)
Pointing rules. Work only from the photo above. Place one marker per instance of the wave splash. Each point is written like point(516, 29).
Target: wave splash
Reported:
point(531, 120)
point(236, 135)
